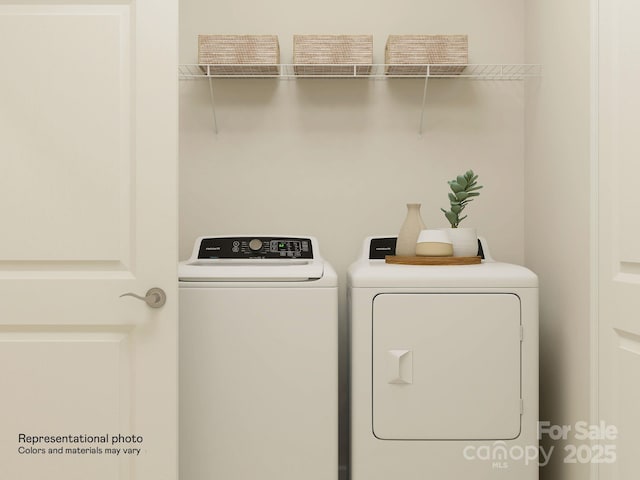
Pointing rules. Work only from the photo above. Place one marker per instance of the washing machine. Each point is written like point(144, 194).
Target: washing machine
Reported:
point(444, 369)
point(258, 360)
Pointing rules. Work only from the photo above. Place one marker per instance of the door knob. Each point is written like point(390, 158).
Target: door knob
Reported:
point(155, 297)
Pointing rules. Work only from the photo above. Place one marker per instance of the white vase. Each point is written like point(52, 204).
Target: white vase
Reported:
point(408, 235)
point(465, 241)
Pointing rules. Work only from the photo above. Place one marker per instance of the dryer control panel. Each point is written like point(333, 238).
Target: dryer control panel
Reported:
point(380, 247)
point(255, 247)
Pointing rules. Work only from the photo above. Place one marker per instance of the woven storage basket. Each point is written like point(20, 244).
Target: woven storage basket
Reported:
point(239, 54)
point(408, 54)
point(325, 54)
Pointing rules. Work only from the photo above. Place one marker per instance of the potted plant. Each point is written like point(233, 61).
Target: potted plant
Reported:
point(464, 188)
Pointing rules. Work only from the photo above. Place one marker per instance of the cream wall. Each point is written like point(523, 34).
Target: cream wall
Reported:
point(557, 185)
point(339, 159)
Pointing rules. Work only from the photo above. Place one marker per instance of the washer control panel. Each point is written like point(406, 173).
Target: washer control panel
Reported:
point(255, 247)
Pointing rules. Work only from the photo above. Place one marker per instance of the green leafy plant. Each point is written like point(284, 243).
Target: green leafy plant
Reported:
point(463, 190)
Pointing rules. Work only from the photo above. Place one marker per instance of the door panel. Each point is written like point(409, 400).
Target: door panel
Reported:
point(61, 396)
point(88, 140)
point(627, 368)
point(619, 232)
point(66, 141)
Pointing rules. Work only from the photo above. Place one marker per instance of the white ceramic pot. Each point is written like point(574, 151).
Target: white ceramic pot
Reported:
point(434, 243)
point(465, 241)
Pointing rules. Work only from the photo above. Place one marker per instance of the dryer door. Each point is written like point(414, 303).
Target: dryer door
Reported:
point(446, 366)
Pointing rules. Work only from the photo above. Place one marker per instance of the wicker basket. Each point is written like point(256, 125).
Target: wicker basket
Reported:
point(325, 55)
point(239, 54)
point(409, 54)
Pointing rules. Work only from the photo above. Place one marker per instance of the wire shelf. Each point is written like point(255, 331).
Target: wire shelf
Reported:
point(357, 71)
point(375, 71)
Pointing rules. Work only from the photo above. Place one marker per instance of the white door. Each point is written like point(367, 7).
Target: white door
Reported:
point(619, 236)
point(88, 211)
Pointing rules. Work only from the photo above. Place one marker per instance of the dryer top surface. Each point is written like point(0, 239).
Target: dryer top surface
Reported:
point(377, 273)
point(371, 271)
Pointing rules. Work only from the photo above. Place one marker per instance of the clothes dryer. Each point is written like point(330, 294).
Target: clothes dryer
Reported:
point(444, 369)
point(258, 360)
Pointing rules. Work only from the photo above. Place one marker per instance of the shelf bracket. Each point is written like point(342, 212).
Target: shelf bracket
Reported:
point(424, 101)
point(213, 105)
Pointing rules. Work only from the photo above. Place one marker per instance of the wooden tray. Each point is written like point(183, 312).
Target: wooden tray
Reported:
point(432, 260)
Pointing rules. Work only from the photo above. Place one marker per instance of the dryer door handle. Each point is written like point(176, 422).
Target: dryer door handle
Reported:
point(400, 367)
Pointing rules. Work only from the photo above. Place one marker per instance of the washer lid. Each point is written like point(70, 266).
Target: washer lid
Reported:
point(260, 270)
point(244, 258)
